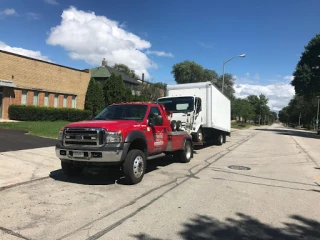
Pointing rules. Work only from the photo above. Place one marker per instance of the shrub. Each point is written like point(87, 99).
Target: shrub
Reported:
point(34, 113)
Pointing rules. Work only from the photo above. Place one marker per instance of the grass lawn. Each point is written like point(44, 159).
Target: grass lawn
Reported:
point(241, 125)
point(42, 129)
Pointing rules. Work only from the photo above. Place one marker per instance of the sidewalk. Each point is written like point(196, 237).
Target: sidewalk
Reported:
point(4, 120)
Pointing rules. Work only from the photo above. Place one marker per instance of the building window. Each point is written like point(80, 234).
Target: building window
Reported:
point(35, 98)
point(24, 97)
point(65, 101)
point(46, 99)
point(55, 100)
point(74, 102)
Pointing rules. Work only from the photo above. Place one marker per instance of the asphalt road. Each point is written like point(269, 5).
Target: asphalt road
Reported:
point(13, 140)
point(261, 184)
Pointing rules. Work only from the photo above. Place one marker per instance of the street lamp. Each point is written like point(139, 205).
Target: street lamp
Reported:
point(242, 55)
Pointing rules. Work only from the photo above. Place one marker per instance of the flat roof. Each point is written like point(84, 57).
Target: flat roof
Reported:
point(6, 83)
point(38, 60)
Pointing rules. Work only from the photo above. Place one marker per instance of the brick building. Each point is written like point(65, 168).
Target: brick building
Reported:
point(29, 81)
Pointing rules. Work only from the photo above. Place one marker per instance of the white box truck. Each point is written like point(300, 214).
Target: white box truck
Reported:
point(199, 109)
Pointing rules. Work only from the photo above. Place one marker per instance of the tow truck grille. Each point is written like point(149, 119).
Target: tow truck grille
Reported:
point(93, 137)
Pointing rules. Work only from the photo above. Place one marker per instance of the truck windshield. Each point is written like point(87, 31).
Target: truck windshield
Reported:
point(178, 104)
point(123, 112)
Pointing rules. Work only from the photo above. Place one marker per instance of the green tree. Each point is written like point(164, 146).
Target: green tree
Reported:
point(128, 97)
point(126, 70)
point(90, 96)
point(94, 101)
point(228, 88)
point(307, 73)
point(243, 109)
point(151, 92)
point(261, 109)
point(114, 89)
point(99, 102)
point(188, 72)
point(302, 108)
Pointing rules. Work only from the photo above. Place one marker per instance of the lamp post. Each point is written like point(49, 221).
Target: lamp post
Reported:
point(299, 119)
point(242, 55)
point(318, 97)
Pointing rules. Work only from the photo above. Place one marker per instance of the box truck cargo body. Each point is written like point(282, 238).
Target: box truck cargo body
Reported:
point(200, 109)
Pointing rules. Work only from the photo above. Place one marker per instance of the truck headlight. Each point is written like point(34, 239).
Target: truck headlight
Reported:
point(60, 137)
point(114, 137)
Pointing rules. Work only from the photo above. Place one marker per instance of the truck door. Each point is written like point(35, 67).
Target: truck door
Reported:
point(157, 139)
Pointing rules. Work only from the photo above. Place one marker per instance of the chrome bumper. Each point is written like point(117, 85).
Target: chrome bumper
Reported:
point(110, 156)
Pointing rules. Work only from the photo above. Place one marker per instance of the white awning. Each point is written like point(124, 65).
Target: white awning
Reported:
point(5, 83)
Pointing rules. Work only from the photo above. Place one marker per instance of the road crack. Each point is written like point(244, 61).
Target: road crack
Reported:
point(10, 232)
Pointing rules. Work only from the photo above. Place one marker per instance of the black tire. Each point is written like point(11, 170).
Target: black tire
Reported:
point(134, 166)
point(185, 155)
point(219, 140)
point(198, 136)
point(224, 138)
point(179, 125)
point(71, 169)
point(173, 125)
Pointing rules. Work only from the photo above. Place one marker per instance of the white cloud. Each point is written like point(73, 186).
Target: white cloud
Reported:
point(247, 74)
point(8, 12)
point(159, 53)
point(24, 52)
point(279, 94)
point(89, 37)
point(33, 16)
point(256, 76)
point(289, 78)
point(52, 2)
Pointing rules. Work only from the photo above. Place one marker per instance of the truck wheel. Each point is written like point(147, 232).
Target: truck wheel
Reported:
point(184, 155)
point(224, 138)
point(134, 166)
point(173, 125)
point(70, 169)
point(198, 136)
point(219, 140)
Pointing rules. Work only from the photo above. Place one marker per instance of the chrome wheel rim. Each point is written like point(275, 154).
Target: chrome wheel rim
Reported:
point(200, 137)
point(138, 166)
point(188, 151)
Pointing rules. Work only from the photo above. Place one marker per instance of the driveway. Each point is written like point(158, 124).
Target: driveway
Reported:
point(13, 140)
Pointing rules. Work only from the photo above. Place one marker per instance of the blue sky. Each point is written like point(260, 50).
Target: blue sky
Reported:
point(272, 34)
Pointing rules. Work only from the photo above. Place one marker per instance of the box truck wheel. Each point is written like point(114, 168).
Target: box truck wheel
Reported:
point(224, 138)
point(134, 166)
point(70, 169)
point(198, 136)
point(219, 140)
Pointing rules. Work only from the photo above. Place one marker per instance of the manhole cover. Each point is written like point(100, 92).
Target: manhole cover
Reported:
point(239, 167)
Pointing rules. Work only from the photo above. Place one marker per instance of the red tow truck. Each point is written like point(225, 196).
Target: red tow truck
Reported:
point(124, 135)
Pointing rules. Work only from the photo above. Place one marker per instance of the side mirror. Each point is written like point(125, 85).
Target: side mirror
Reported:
point(151, 122)
point(158, 120)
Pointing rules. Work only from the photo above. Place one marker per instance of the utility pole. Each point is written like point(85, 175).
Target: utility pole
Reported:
point(299, 119)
